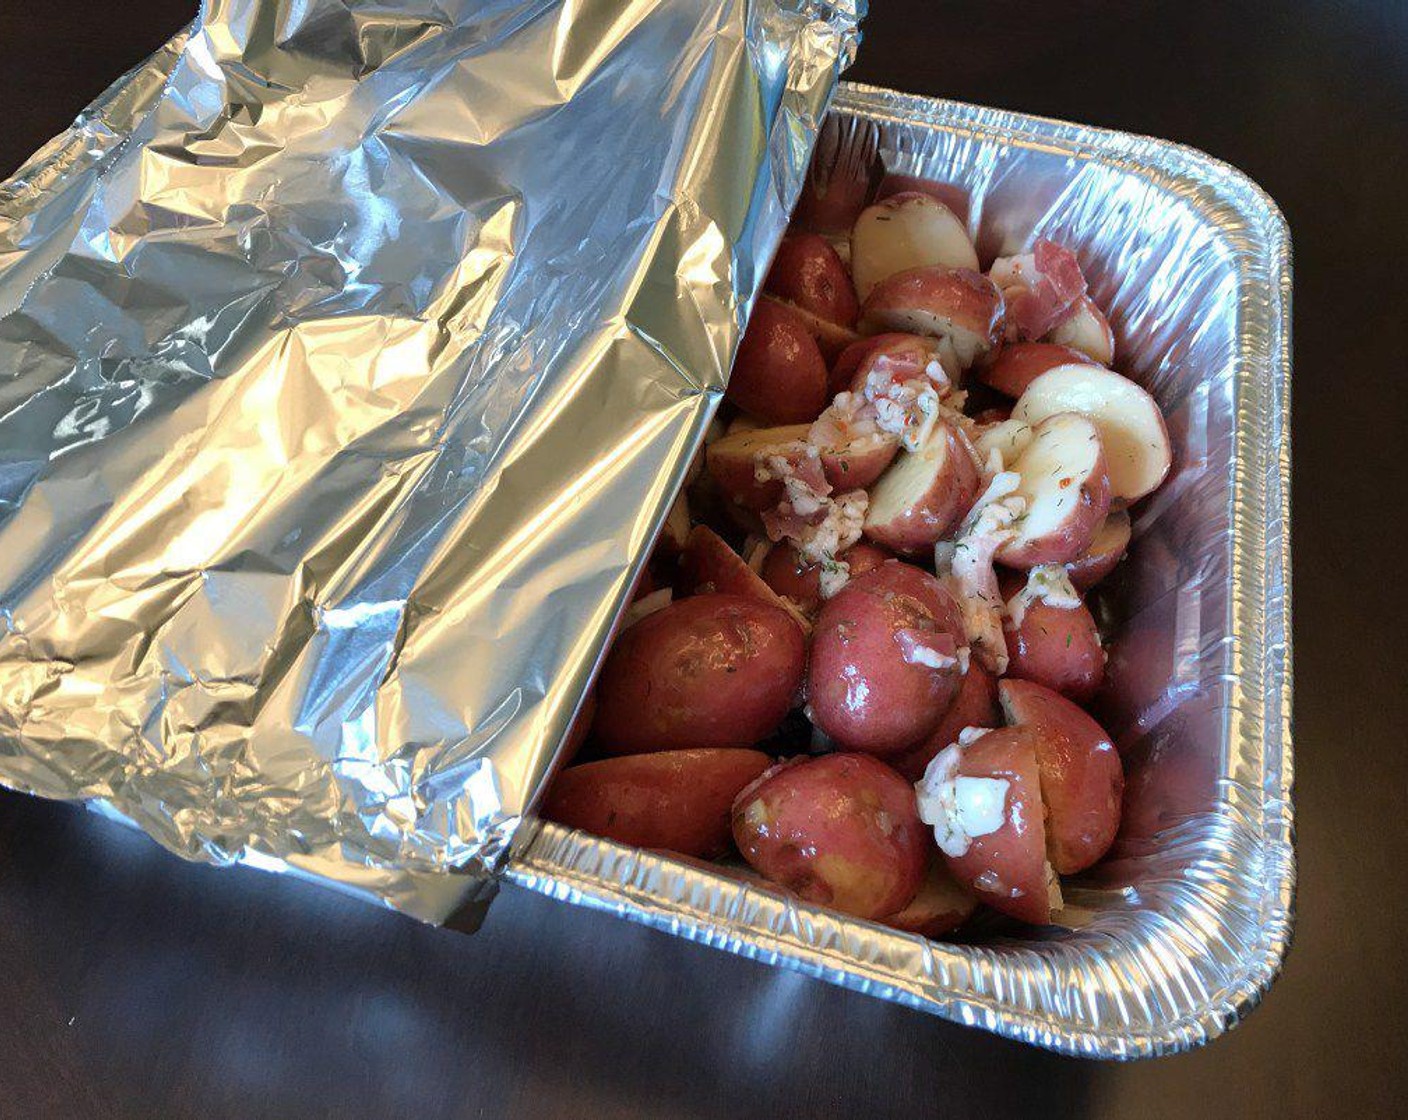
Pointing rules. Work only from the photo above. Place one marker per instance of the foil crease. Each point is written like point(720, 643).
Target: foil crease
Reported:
point(1178, 933)
point(350, 354)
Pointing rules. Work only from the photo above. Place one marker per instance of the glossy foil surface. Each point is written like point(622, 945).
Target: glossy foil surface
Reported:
point(350, 354)
point(1180, 930)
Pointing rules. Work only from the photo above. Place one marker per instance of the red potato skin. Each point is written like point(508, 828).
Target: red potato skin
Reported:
point(1059, 648)
point(791, 576)
point(578, 730)
point(1016, 365)
point(842, 830)
point(974, 706)
point(951, 195)
point(808, 274)
point(1006, 869)
point(831, 338)
point(1103, 555)
point(731, 463)
point(1082, 779)
point(779, 374)
point(709, 565)
point(708, 671)
point(941, 906)
point(861, 691)
point(680, 801)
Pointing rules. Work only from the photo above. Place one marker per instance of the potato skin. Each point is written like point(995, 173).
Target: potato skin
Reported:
point(941, 906)
point(861, 690)
point(1007, 868)
point(708, 671)
point(788, 574)
point(974, 706)
point(1082, 778)
point(1104, 553)
point(1058, 647)
point(779, 374)
point(842, 830)
point(680, 801)
point(808, 272)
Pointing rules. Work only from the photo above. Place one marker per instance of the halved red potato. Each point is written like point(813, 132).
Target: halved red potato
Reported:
point(1066, 488)
point(1082, 780)
point(807, 273)
point(1087, 331)
point(884, 660)
point(924, 494)
point(831, 338)
point(1009, 438)
point(1056, 645)
point(956, 304)
point(983, 800)
point(709, 565)
point(905, 231)
point(733, 462)
point(941, 906)
point(708, 671)
point(779, 374)
point(840, 830)
point(676, 528)
point(854, 450)
point(680, 801)
point(975, 705)
point(799, 581)
point(894, 359)
point(1104, 552)
point(1017, 364)
point(1132, 431)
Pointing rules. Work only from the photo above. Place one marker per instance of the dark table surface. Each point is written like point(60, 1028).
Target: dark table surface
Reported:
point(132, 985)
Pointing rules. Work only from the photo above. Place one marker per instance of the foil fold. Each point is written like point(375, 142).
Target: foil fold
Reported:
point(350, 354)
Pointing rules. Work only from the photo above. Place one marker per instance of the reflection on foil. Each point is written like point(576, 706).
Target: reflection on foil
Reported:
point(352, 353)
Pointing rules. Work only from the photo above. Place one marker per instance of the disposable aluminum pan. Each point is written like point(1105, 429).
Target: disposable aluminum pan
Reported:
point(1181, 929)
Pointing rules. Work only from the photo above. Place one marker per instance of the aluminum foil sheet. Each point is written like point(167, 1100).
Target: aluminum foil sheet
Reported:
point(1182, 928)
point(350, 354)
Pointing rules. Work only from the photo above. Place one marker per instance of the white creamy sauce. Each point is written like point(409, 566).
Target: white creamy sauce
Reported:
point(959, 808)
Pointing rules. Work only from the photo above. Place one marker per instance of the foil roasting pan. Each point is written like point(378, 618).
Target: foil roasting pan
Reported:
point(350, 354)
point(1178, 933)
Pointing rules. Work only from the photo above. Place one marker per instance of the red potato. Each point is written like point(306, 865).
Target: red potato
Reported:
point(842, 177)
point(974, 706)
point(924, 494)
point(708, 671)
point(800, 582)
point(1104, 552)
point(955, 304)
point(951, 195)
point(1003, 861)
point(854, 451)
point(941, 906)
point(1082, 780)
point(808, 274)
point(1058, 647)
point(884, 660)
point(779, 374)
point(681, 801)
point(831, 338)
point(840, 830)
point(733, 462)
point(709, 565)
point(1132, 431)
point(1087, 331)
point(904, 231)
point(1016, 365)
point(1066, 487)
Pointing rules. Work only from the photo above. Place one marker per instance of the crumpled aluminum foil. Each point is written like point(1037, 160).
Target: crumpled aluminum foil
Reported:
point(1178, 933)
point(350, 354)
